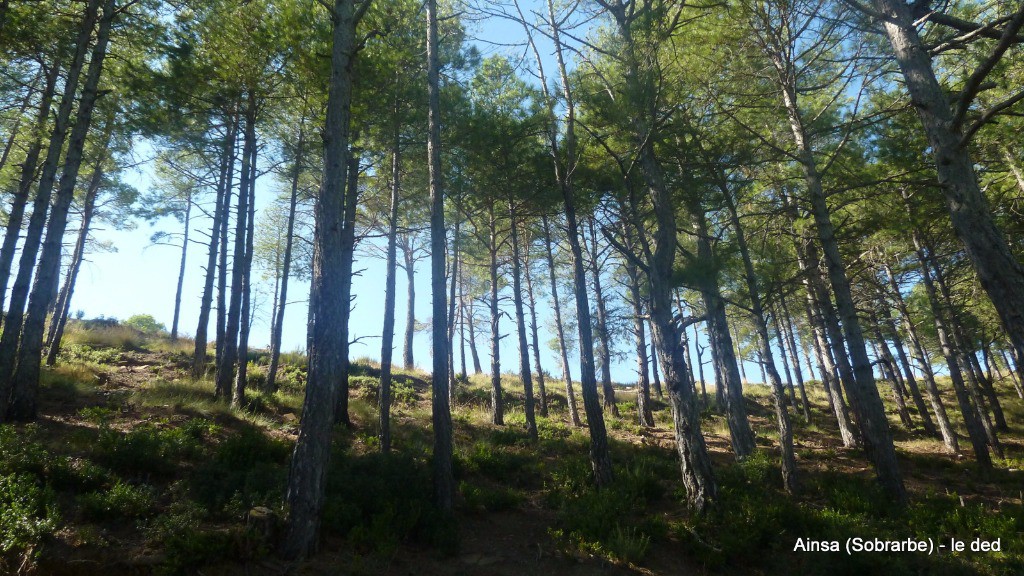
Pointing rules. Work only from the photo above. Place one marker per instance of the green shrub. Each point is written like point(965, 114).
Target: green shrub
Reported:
point(186, 545)
point(28, 514)
point(380, 501)
point(490, 499)
point(122, 500)
point(247, 469)
point(149, 449)
point(145, 323)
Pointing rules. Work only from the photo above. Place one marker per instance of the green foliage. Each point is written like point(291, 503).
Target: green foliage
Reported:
point(611, 522)
point(149, 448)
point(146, 324)
point(247, 469)
point(186, 544)
point(121, 501)
point(28, 514)
point(490, 498)
point(379, 501)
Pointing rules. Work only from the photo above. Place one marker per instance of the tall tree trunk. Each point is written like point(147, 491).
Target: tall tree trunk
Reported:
point(477, 369)
point(908, 373)
point(833, 368)
point(225, 376)
point(387, 340)
point(603, 343)
point(999, 271)
point(971, 420)
point(24, 383)
point(16, 214)
point(517, 299)
point(729, 379)
point(700, 365)
point(222, 262)
point(444, 482)
point(181, 267)
point(886, 370)
point(570, 394)
point(220, 217)
point(286, 266)
point(655, 377)
point(60, 316)
point(757, 315)
point(245, 316)
point(497, 400)
point(793, 355)
point(311, 457)
point(531, 302)
point(949, 437)
point(643, 387)
point(348, 248)
point(456, 269)
point(867, 405)
point(410, 310)
point(600, 458)
point(15, 316)
point(695, 463)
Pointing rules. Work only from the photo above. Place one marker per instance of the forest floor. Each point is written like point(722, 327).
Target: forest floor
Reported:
point(133, 468)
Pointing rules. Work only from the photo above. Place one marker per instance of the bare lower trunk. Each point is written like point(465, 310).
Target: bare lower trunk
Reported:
point(534, 329)
point(477, 369)
point(387, 339)
point(220, 217)
point(603, 344)
point(60, 316)
point(444, 482)
point(245, 316)
point(181, 268)
point(286, 266)
point(967, 409)
point(225, 376)
point(16, 213)
point(311, 456)
point(497, 400)
point(794, 356)
point(15, 315)
point(408, 359)
point(24, 383)
point(643, 388)
point(348, 247)
point(524, 351)
point(570, 394)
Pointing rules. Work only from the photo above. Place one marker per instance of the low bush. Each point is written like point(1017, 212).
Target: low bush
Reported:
point(121, 501)
point(28, 515)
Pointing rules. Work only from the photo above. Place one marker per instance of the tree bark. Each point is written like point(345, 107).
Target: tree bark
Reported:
point(949, 437)
point(16, 214)
point(444, 482)
point(531, 302)
point(643, 388)
point(867, 404)
point(225, 375)
point(286, 266)
point(570, 394)
point(387, 340)
point(524, 351)
point(497, 399)
point(999, 271)
point(310, 459)
point(603, 342)
point(24, 383)
point(181, 267)
point(220, 217)
point(245, 317)
point(60, 317)
point(793, 355)
point(408, 360)
point(15, 316)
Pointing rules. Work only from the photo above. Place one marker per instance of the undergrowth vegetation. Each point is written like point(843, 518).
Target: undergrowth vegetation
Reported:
point(162, 465)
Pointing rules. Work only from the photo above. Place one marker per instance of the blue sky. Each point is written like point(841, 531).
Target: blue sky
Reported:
point(140, 278)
